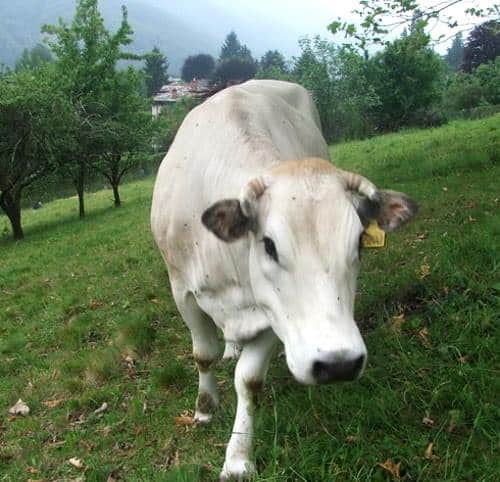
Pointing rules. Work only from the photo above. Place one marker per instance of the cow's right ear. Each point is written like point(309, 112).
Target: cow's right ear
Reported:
point(226, 220)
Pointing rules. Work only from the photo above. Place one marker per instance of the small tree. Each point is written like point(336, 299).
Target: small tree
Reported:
point(35, 121)
point(87, 54)
point(455, 54)
point(199, 66)
point(156, 71)
point(122, 130)
point(482, 46)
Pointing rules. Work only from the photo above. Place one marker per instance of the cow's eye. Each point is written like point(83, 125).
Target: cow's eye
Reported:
point(270, 248)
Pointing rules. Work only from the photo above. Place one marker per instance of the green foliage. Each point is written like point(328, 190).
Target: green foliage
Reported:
point(232, 48)
point(234, 70)
point(87, 56)
point(407, 77)
point(168, 122)
point(378, 18)
point(34, 58)
point(122, 128)
point(482, 45)
point(273, 65)
point(34, 120)
point(199, 66)
point(455, 54)
point(468, 91)
point(155, 69)
point(337, 79)
point(273, 59)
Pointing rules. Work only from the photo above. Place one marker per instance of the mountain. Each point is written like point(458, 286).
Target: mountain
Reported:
point(178, 28)
point(20, 24)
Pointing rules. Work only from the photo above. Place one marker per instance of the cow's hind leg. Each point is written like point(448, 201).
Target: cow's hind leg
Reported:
point(249, 377)
point(205, 353)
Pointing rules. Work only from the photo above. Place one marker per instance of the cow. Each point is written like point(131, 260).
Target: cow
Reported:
point(260, 234)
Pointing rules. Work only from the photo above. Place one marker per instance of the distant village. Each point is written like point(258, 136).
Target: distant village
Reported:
point(176, 89)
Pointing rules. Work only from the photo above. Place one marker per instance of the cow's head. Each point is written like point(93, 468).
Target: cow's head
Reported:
point(304, 220)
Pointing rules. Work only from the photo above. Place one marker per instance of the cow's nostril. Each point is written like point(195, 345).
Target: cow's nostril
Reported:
point(340, 369)
point(321, 371)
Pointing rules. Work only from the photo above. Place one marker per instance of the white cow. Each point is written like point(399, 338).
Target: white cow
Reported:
point(260, 234)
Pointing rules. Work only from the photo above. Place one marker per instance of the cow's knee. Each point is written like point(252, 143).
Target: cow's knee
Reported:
point(208, 397)
point(232, 351)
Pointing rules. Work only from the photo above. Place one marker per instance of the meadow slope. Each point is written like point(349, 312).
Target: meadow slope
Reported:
point(86, 317)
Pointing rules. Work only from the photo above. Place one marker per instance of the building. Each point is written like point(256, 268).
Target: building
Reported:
point(177, 89)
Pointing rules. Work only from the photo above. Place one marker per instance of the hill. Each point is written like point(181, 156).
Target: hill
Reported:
point(180, 29)
point(87, 317)
point(20, 24)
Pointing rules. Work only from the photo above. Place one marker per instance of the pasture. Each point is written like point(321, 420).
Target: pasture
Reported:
point(86, 318)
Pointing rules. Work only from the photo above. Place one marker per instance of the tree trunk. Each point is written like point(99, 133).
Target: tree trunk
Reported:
point(115, 179)
point(116, 194)
point(80, 188)
point(11, 204)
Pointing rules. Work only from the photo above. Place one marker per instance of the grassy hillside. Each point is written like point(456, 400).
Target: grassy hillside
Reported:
point(78, 297)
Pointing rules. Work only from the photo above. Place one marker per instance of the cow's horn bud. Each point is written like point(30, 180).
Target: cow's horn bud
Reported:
point(250, 194)
point(357, 183)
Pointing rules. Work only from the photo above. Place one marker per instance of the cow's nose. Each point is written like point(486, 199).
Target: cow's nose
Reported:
point(338, 368)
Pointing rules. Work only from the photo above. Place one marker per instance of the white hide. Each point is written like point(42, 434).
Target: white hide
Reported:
point(256, 133)
point(221, 145)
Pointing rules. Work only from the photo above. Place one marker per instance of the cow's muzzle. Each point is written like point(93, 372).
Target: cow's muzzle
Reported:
point(338, 367)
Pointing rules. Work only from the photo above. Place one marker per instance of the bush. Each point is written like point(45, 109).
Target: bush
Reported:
point(478, 89)
point(407, 77)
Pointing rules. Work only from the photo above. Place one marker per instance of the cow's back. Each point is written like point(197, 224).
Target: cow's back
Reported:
point(222, 144)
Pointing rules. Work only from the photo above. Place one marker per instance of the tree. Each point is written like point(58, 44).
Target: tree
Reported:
point(34, 58)
point(199, 66)
point(35, 120)
point(122, 129)
point(87, 54)
point(455, 53)
point(156, 71)
point(378, 18)
point(273, 59)
point(407, 77)
point(337, 79)
point(232, 48)
point(483, 45)
point(234, 70)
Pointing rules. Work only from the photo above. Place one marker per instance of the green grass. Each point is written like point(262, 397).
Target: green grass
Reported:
point(78, 297)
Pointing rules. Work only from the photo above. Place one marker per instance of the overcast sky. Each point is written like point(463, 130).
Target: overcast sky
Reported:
point(312, 16)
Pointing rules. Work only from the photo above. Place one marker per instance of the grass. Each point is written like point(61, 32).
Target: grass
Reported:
point(86, 317)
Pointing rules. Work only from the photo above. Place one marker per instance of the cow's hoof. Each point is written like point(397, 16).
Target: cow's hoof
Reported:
point(203, 418)
point(237, 470)
point(231, 351)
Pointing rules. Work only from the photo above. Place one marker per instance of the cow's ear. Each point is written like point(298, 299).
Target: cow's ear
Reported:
point(391, 210)
point(226, 220)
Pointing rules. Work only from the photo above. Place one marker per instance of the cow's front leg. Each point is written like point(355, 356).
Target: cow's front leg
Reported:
point(249, 377)
point(232, 350)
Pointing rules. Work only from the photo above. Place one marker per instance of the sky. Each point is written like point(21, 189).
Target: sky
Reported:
point(300, 17)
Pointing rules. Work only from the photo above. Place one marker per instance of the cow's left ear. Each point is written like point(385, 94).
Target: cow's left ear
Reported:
point(391, 209)
point(226, 220)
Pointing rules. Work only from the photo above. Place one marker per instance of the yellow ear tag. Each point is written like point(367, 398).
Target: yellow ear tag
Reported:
point(373, 236)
